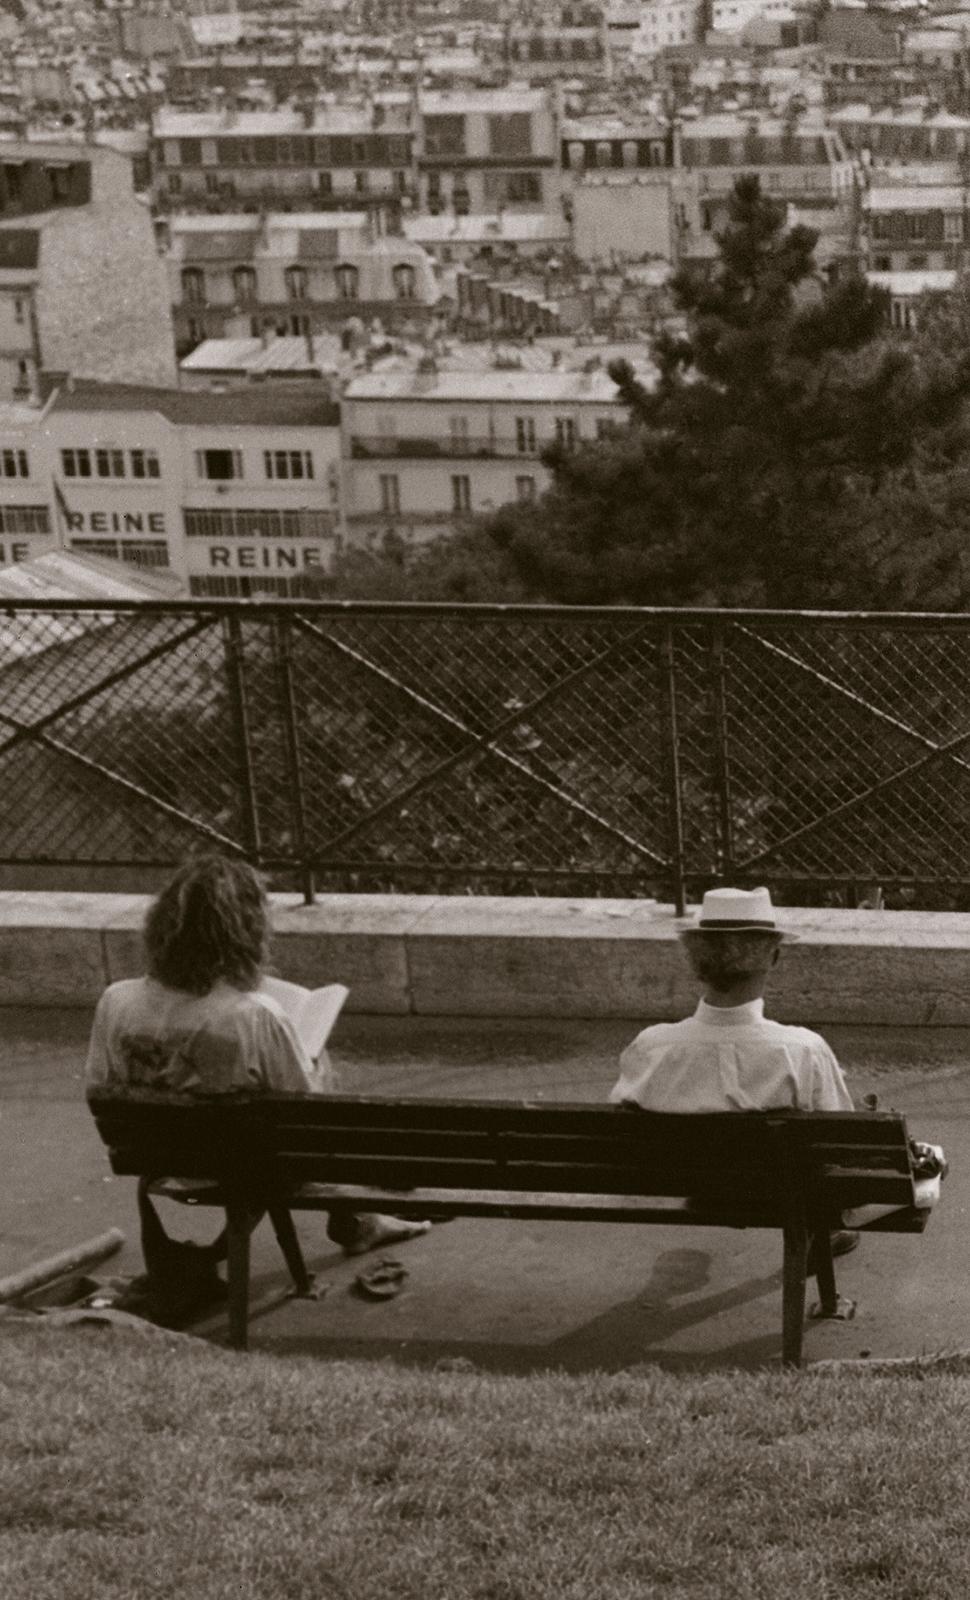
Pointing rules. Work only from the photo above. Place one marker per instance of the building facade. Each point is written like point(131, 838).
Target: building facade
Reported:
point(424, 449)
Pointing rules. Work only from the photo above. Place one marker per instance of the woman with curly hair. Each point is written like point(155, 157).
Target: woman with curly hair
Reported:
point(198, 1022)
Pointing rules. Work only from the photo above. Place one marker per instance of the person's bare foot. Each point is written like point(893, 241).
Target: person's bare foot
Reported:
point(377, 1230)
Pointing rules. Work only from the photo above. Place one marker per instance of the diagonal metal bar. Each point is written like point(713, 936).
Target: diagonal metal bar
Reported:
point(942, 750)
point(26, 729)
point(479, 744)
point(846, 693)
point(126, 784)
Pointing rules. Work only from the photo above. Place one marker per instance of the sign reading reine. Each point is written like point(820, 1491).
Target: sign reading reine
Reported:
point(115, 521)
point(275, 557)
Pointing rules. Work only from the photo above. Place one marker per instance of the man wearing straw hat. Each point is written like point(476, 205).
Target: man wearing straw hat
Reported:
point(729, 1056)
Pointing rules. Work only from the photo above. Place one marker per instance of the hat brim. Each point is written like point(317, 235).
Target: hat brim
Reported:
point(738, 925)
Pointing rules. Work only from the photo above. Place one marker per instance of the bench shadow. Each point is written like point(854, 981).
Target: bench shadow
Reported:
point(626, 1335)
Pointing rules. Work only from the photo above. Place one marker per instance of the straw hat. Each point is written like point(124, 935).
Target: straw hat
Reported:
point(738, 911)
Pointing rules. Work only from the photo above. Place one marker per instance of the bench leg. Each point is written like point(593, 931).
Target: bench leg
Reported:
point(793, 1292)
point(282, 1220)
point(825, 1274)
point(238, 1228)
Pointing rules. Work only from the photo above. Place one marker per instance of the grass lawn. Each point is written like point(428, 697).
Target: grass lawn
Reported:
point(136, 1468)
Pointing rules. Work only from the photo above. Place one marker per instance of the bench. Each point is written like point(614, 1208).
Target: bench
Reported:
point(437, 1158)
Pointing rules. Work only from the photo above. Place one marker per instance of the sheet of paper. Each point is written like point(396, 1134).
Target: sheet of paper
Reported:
point(313, 1012)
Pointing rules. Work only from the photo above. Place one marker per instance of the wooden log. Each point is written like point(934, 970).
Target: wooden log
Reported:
point(88, 1254)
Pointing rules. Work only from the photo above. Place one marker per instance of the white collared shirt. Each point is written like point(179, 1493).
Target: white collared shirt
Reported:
point(730, 1058)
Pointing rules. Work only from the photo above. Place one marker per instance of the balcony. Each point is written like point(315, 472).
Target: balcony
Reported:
point(367, 448)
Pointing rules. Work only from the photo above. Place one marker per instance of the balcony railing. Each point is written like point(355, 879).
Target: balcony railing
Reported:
point(375, 448)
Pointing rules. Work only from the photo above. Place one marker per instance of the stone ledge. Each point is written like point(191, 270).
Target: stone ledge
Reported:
point(490, 957)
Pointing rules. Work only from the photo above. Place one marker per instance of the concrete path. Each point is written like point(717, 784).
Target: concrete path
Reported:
point(517, 1295)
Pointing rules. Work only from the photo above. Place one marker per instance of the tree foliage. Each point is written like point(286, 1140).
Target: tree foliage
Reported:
point(793, 452)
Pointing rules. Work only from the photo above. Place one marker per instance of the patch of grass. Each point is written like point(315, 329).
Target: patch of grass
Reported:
point(142, 1470)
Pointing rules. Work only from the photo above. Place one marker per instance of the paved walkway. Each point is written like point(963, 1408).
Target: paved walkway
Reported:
point(519, 1295)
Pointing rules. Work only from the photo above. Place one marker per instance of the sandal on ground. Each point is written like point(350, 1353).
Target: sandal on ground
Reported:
point(382, 1281)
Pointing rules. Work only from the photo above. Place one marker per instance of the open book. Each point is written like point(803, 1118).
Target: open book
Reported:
point(312, 1012)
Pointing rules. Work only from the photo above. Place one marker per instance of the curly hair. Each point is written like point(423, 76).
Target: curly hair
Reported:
point(210, 923)
point(724, 959)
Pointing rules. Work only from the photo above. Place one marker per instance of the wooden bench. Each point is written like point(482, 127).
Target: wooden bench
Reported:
point(795, 1171)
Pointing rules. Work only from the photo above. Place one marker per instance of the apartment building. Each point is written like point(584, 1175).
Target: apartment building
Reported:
point(81, 285)
point(910, 228)
point(920, 132)
point(308, 156)
point(799, 160)
point(291, 274)
point(27, 527)
point(563, 41)
point(612, 143)
point(423, 448)
point(488, 150)
point(235, 493)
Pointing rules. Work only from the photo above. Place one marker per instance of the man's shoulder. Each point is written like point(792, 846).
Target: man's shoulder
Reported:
point(790, 1033)
point(657, 1033)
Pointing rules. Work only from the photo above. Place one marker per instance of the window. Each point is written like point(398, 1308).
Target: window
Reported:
point(953, 226)
point(916, 225)
point(510, 134)
point(19, 310)
point(298, 326)
point(404, 282)
point(444, 135)
point(218, 465)
point(604, 153)
point(139, 552)
point(76, 463)
point(196, 331)
point(390, 485)
point(361, 183)
point(288, 463)
point(880, 226)
point(193, 286)
point(231, 524)
point(174, 183)
point(213, 183)
point(347, 279)
point(524, 188)
point(461, 493)
point(458, 430)
point(325, 184)
point(244, 285)
point(190, 152)
point(144, 464)
point(109, 463)
point(525, 436)
point(24, 519)
point(565, 432)
point(525, 489)
point(577, 156)
point(14, 464)
point(296, 283)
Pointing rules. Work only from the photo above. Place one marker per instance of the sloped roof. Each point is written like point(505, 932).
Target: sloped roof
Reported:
point(268, 406)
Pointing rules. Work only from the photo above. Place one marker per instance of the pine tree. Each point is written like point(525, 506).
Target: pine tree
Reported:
point(792, 453)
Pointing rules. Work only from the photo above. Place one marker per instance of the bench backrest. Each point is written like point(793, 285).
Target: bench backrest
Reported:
point(744, 1160)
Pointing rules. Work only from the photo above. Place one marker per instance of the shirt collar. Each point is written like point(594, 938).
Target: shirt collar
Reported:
point(730, 1016)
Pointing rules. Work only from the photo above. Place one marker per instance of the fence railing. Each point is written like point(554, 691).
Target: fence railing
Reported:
point(498, 749)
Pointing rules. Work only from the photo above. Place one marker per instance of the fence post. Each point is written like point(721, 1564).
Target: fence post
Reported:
point(294, 764)
point(239, 708)
point(675, 814)
point(722, 764)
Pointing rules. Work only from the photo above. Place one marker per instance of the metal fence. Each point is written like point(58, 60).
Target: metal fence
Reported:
point(493, 749)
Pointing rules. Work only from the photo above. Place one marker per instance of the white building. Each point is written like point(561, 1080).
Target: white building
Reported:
point(234, 494)
point(424, 448)
point(485, 150)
